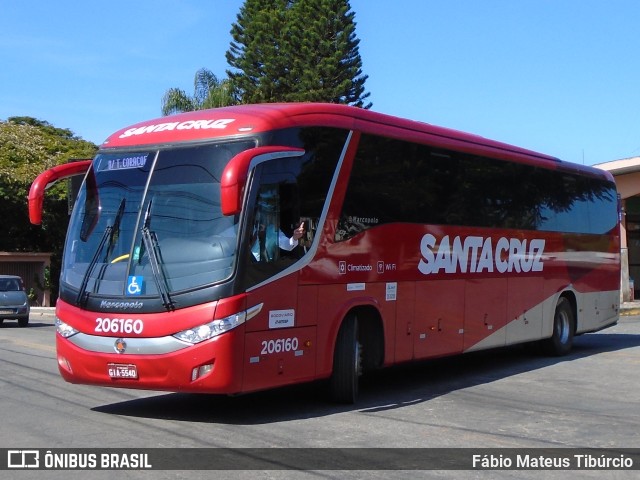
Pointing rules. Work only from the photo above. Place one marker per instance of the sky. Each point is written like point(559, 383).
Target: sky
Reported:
point(561, 77)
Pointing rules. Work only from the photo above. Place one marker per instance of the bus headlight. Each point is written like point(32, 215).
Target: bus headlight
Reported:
point(65, 329)
point(211, 329)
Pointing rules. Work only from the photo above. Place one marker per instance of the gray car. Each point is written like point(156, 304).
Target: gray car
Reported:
point(14, 303)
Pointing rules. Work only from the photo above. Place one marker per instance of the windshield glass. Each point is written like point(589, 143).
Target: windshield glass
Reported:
point(149, 223)
point(9, 285)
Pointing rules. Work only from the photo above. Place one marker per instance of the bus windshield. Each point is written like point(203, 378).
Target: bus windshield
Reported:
point(149, 223)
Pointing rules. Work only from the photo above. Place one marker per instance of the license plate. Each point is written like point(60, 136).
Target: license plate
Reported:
point(118, 370)
point(6, 312)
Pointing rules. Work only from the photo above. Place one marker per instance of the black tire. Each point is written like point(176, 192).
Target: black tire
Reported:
point(347, 363)
point(23, 322)
point(561, 341)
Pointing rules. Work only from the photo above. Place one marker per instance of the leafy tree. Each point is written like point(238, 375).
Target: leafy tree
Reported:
point(209, 92)
point(296, 50)
point(28, 147)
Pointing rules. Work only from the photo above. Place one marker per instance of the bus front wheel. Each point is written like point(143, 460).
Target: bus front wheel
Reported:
point(561, 340)
point(347, 363)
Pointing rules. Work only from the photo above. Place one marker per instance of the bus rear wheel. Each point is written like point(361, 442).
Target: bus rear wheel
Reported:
point(347, 363)
point(561, 340)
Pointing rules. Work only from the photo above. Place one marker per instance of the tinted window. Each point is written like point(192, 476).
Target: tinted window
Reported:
point(285, 192)
point(396, 181)
point(176, 199)
point(9, 285)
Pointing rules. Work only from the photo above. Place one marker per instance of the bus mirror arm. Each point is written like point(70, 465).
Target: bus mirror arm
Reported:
point(46, 179)
point(235, 174)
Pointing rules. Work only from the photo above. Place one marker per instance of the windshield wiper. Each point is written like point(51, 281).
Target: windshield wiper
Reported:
point(115, 230)
point(111, 234)
point(152, 247)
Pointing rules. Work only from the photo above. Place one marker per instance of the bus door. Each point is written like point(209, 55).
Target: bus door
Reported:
point(279, 340)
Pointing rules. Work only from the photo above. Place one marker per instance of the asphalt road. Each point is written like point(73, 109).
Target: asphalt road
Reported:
point(509, 398)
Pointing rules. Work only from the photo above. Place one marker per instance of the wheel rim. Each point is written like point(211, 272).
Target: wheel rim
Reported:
point(563, 327)
point(357, 364)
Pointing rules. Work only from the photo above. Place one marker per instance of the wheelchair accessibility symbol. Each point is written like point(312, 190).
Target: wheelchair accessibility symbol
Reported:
point(134, 286)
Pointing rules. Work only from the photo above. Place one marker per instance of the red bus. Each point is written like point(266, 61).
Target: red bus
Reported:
point(182, 270)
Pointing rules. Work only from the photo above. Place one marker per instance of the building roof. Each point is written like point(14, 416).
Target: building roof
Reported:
point(621, 167)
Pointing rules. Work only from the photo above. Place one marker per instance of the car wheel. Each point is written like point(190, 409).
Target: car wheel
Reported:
point(347, 363)
point(561, 341)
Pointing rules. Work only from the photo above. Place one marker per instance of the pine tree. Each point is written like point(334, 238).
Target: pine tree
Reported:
point(257, 51)
point(296, 50)
point(324, 54)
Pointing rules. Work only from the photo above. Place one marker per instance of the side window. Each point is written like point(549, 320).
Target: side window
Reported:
point(287, 193)
point(396, 181)
point(579, 205)
point(314, 173)
point(274, 237)
point(370, 199)
point(273, 221)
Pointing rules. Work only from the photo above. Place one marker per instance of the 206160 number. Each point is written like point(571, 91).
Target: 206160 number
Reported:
point(119, 325)
point(279, 345)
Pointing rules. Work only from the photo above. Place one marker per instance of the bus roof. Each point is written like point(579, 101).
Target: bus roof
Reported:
point(241, 120)
point(245, 119)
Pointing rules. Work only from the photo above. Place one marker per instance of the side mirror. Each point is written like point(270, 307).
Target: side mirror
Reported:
point(235, 174)
point(46, 179)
